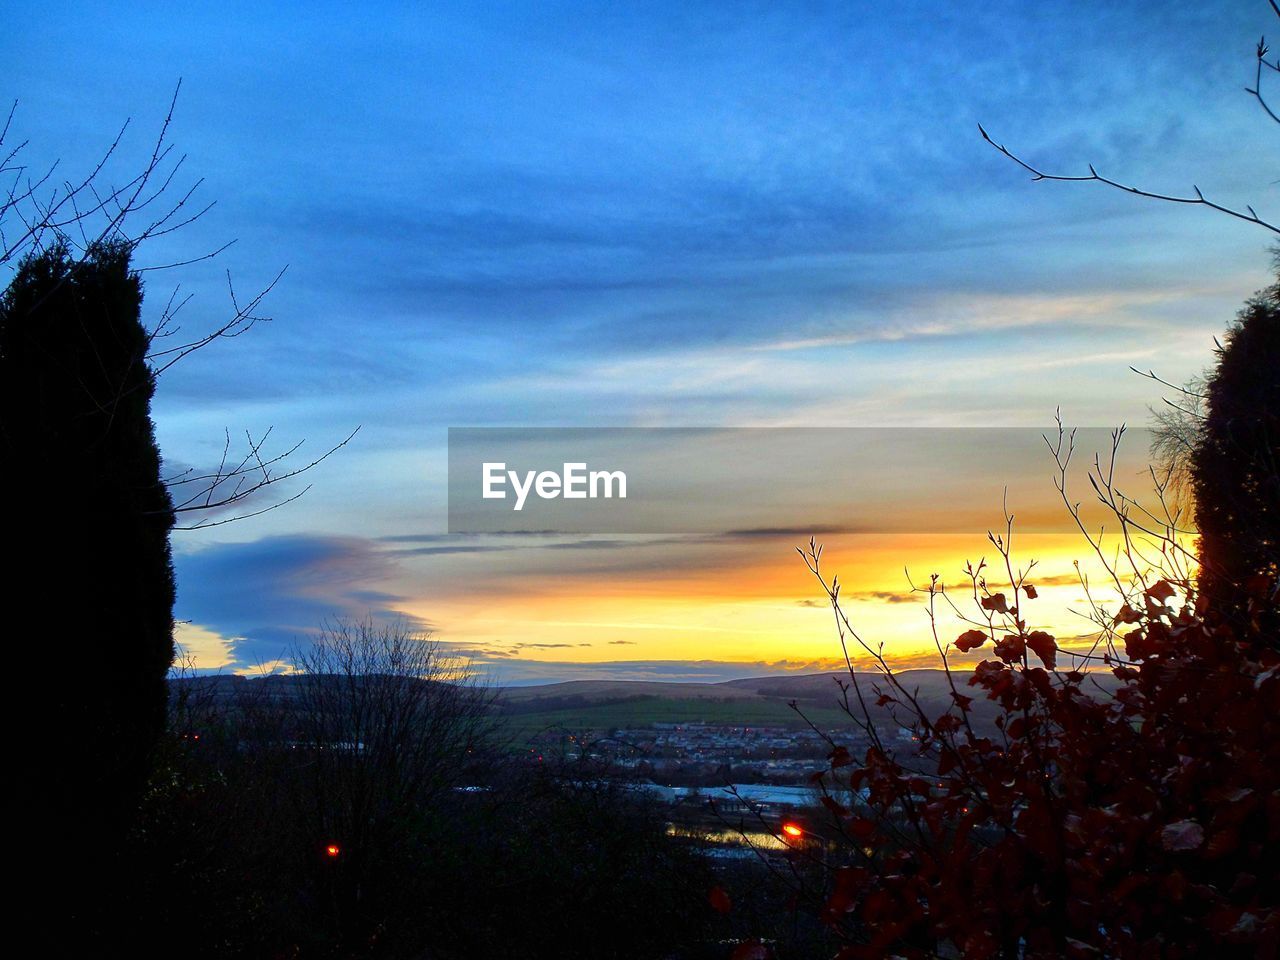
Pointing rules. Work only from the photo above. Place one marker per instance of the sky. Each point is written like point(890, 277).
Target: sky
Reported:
point(656, 215)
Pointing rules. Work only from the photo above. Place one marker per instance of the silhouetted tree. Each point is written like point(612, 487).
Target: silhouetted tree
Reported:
point(445, 842)
point(90, 513)
point(1236, 463)
point(1219, 437)
point(1125, 812)
point(92, 518)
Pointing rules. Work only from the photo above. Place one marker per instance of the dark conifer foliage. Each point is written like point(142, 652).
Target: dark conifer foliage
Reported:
point(91, 521)
point(1236, 464)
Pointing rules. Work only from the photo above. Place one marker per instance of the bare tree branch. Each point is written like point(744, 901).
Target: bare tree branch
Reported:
point(1249, 215)
point(233, 483)
point(1196, 198)
point(82, 216)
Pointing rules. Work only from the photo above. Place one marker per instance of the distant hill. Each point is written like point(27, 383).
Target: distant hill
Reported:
point(752, 700)
point(808, 686)
point(755, 700)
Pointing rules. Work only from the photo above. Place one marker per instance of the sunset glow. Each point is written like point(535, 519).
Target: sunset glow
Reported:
point(757, 234)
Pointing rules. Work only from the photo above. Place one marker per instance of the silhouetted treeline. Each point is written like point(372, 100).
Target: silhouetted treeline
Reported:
point(361, 811)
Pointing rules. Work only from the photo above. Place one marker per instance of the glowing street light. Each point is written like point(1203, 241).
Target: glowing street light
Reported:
point(333, 851)
point(793, 830)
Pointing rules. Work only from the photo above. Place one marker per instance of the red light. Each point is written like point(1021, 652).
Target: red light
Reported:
point(792, 830)
point(332, 850)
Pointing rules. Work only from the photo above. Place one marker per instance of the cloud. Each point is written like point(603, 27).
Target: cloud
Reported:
point(444, 551)
point(526, 672)
point(874, 596)
point(268, 595)
point(531, 672)
point(881, 596)
point(478, 653)
point(201, 649)
point(816, 530)
point(1055, 580)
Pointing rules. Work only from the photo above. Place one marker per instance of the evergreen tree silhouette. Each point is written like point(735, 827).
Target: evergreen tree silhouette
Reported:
point(1235, 468)
point(90, 521)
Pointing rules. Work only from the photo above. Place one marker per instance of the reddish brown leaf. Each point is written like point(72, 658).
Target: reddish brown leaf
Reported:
point(719, 900)
point(1044, 647)
point(862, 829)
point(1182, 836)
point(970, 640)
point(1010, 648)
point(840, 757)
point(1127, 615)
point(995, 602)
point(1139, 644)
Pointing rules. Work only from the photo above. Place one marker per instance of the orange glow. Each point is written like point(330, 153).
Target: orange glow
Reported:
point(748, 602)
point(792, 830)
point(332, 850)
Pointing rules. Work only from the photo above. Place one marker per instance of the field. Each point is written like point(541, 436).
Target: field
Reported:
point(647, 710)
point(599, 706)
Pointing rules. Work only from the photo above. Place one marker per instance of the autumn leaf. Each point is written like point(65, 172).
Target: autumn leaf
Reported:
point(752, 950)
point(719, 900)
point(1182, 836)
point(1044, 647)
point(1138, 645)
point(1030, 591)
point(1259, 586)
point(862, 829)
point(1127, 615)
point(1223, 843)
point(1160, 591)
point(946, 723)
point(995, 602)
point(1010, 648)
point(970, 640)
point(986, 673)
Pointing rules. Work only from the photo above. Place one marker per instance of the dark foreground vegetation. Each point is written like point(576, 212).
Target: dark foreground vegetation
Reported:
point(367, 807)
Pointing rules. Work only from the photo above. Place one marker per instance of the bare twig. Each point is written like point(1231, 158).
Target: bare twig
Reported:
point(1249, 215)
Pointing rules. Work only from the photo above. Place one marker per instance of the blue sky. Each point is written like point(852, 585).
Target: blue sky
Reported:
point(683, 214)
